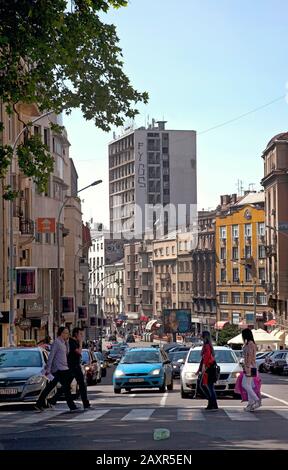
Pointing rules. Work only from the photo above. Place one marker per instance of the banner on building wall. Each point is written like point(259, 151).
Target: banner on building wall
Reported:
point(176, 321)
point(68, 305)
point(46, 225)
point(82, 313)
point(114, 250)
point(26, 283)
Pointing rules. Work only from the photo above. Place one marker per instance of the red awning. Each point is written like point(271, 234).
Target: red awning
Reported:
point(270, 323)
point(219, 325)
point(144, 318)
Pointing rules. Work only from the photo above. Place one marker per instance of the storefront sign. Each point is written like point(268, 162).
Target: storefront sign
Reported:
point(24, 324)
point(46, 225)
point(26, 283)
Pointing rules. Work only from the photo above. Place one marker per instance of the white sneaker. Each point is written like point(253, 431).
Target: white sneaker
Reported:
point(248, 407)
point(257, 404)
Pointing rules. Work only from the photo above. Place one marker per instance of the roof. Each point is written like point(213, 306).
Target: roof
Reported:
point(252, 198)
point(281, 136)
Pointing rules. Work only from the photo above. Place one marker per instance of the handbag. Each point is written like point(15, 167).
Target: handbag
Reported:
point(213, 372)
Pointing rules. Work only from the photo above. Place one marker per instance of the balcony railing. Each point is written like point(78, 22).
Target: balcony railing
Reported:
point(26, 227)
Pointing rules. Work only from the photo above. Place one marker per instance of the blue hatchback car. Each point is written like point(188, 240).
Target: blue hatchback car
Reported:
point(143, 368)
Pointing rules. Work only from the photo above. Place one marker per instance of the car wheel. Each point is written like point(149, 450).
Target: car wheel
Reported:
point(184, 394)
point(170, 386)
point(99, 380)
point(117, 390)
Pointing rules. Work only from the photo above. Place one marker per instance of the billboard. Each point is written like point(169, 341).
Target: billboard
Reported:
point(46, 225)
point(114, 250)
point(176, 321)
point(26, 283)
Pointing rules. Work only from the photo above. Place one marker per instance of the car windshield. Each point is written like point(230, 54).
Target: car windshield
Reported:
point(140, 357)
point(85, 357)
point(99, 355)
point(175, 356)
point(21, 358)
point(221, 356)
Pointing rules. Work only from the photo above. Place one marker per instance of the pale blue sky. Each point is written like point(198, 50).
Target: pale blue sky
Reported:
point(202, 62)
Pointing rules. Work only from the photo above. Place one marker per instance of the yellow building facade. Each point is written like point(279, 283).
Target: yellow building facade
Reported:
point(241, 262)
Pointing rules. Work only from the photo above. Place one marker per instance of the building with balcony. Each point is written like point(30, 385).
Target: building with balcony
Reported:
point(241, 260)
point(275, 183)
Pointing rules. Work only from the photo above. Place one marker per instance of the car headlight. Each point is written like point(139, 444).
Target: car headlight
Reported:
point(119, 373)
point(235, 375)
point(174, 367)
point(87, 367)
point(156, 372)
point(190, 375)
point(35, 379)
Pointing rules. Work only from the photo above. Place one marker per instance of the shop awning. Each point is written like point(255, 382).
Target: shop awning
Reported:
point(219, 325)
point(144, 318)
point(153, 324)
point(270, 323)
point(260, 337)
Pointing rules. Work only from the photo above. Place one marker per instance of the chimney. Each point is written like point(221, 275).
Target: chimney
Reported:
point(233, 198)
point(225, 199)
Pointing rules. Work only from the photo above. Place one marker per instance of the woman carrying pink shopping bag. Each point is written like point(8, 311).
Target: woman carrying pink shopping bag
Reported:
point(250, 370)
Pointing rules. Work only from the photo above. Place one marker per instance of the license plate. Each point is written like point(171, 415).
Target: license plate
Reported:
point(8, 391)
point(136, 380)
point(221, 382)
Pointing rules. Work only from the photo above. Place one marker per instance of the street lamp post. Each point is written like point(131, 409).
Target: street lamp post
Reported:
point(67, 198)
point(11, 240)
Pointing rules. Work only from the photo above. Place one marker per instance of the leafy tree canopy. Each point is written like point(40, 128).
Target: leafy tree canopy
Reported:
point(228, 332)
point(62, 55)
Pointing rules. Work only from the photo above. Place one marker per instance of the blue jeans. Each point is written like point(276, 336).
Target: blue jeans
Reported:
point(210, 394)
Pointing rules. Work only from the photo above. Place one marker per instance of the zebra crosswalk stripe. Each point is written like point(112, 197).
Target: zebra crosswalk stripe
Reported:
point(37, 418)
point(240, 415)
point(139, 414)
point(88, 416)
point(282, 413)
point(190, 415)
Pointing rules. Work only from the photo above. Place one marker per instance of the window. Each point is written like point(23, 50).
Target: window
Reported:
point(173, 250)
point(261, 298)
point(128, 275)
point(135, 274)
point(247, 251)
point(101, 246)
point(223, 275)
point(235, 231)
point(235, 318)
point(249, 317)
point(157, 305)
point(181, 267)
point(248, 230)
point(223, 297)
point(129, 291)
point(223, 253)
point(135, 292)
point(223, 232)
point(261, 229)
point(167, 251)
point(128, 258)
point(161, 251)
point(174, 269)
point(155, 253)
point(174, 305)
point(248, 274)
point(224, 316)
point(174, 288)
point(236, 298)
point(262, 275)
point(136, 258)
point(261, 252)
point(180, 246)
point(181, 286)
point(187, 286)
point(167, 268)
point(248, 298)
point(47, 137)
point(235, 273)
point(235, 252)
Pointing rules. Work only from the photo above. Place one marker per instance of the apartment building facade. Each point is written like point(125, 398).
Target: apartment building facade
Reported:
point(241, 261)
point(150, 169)
point(275, 183)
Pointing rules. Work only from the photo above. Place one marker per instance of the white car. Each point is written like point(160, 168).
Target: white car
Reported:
point(226, 359)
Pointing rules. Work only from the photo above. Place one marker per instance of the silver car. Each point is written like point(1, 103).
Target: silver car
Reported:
point(229, 371)
point(22, 373)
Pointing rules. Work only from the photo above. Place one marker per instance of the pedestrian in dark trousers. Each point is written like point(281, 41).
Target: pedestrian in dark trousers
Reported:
point(207, 367)
point(74, 363)
point(57, 365)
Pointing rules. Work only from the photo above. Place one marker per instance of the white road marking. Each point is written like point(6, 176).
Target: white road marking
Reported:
point(140, 414)
point(275, 398)
point(163, 399)
point(37, 418)
point(283, 413)
point(238, 415)
point(185, 414)
point(88, 416)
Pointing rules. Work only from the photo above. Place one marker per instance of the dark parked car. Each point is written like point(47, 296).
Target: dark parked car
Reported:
point(92, 367)
point(279, 362)
point(268, 365)
point(177, 359)
point(116, 353)
point(22, 373)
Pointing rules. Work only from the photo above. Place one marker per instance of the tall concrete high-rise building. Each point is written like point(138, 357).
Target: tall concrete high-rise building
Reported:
point(151, 169)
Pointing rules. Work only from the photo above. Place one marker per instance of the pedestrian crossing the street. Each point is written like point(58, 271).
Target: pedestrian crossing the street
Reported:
point(62, 416)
